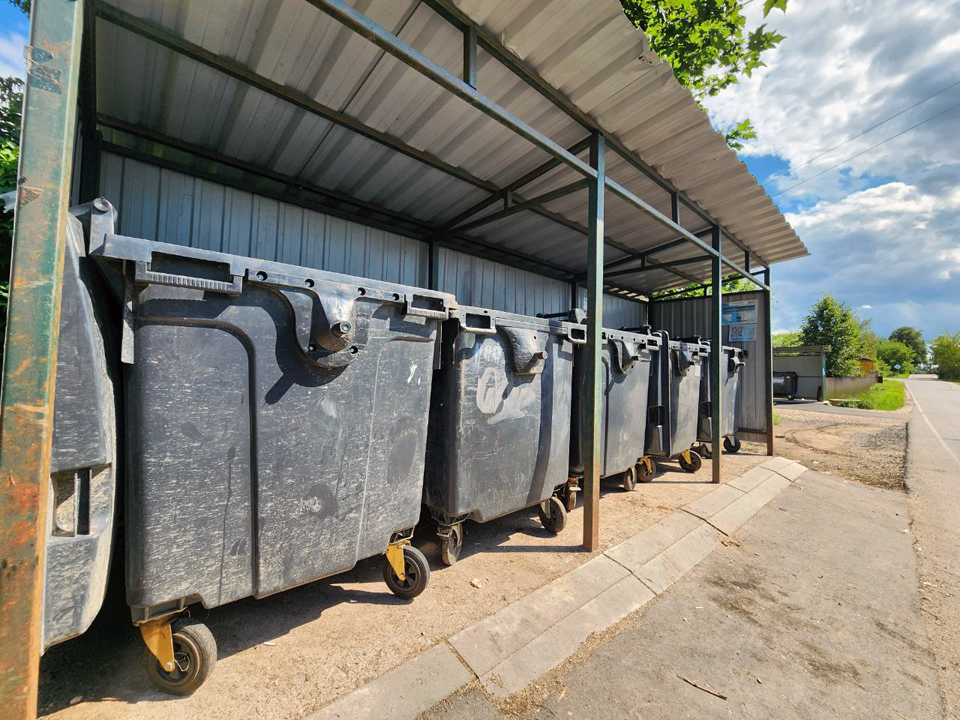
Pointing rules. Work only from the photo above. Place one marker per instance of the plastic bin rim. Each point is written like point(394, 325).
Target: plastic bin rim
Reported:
point(121, 247)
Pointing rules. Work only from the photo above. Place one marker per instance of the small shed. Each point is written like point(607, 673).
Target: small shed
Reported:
point(809, 363)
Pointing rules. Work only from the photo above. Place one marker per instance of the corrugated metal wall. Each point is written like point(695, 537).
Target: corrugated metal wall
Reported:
point(618, 312)
point(691, 316)
point(167, 206)
point(476, 281)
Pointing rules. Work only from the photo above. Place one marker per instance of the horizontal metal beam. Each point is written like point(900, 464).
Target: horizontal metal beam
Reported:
point(385, 40)
point(658, 216)
point(382, 38)
point(525, 205)
point(744, 274)
point(652, 251)
point(304, 195)
point(156, 137)
point(653, 265)
point(245, 75)
point(514, 186)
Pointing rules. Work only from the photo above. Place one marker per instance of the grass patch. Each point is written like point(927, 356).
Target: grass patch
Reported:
point(776, 418)
point(882, 396)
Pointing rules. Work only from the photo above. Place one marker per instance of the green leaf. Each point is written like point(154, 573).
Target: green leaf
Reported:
point(769, 5)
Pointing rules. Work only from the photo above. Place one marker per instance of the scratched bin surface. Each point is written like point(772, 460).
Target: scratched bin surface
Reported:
point(83, 458)
point(731, 369)
point(625, 360)
point(674, 402)
point(276, 421)
point(500, 414)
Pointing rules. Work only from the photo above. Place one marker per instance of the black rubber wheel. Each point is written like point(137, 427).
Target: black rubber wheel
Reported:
point(570, 498)
point(195, 653)
point(553, 515)
point(704, 451)
point(451, 545)
point(643, 474)
point(629, 479)
point(731, 444)
point(415, 568)
point(695, 462)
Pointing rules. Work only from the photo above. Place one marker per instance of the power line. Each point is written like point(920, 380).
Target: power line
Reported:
point(872, 127)
point(872, 147)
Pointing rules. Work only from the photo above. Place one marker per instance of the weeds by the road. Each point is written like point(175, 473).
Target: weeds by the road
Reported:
point(882, 396)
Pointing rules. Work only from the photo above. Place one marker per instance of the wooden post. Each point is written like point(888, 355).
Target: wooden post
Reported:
point(594, 376)
point(716, 355)
point(30, 356)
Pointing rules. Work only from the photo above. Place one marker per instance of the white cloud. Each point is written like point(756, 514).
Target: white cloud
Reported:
point(890, 251)
point(843, 68)
point(12, 63)
point(883, 228)
point(949, 263)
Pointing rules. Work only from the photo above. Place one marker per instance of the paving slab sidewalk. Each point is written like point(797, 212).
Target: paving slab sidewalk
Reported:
point(514, 647)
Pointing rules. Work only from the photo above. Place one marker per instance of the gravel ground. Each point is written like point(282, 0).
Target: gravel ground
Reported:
point(289, 654)
point(870, 450)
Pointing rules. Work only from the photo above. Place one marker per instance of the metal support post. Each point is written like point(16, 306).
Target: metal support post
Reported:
point(29, 361)
point(768, 359)
point(716, 356)
point(594, 376)
point(470, 55)
point(433, 247)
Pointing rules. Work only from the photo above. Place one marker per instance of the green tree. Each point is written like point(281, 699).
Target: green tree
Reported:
point(707, 45)
point(833, 323)
point(730, 285)
point(10, 109)
point(913, 339)
point(900, 358)
point(946, 356)
point(786, 339)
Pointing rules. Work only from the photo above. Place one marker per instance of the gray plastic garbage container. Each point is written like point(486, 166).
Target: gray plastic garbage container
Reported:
point(500, 420)
point(785, 384)
point(626, 361)
point(276, 422)
point(731, 370)
point(83, 459)
point(673, 408)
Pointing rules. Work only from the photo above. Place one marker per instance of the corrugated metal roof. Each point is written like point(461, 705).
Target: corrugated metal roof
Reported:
point(586, 49)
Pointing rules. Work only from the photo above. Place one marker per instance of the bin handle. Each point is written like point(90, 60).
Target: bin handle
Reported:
point(477, 323)
point(428, 306)
point(143, 274)
point(577, 334)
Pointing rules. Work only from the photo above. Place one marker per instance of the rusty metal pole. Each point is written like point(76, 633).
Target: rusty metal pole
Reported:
point(716, 355)
point(768, 358)
point(594, 376)
point(29, 361)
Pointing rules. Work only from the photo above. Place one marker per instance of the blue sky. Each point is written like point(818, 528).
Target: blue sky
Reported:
point(883, 228)
point(13, 36)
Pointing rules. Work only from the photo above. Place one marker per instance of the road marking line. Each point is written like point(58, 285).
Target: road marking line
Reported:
point(934, 430)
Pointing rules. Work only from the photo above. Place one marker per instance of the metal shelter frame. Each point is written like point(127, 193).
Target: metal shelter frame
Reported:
point(54, 82)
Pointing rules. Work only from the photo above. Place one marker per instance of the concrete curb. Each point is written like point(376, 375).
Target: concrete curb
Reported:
point(515, 646)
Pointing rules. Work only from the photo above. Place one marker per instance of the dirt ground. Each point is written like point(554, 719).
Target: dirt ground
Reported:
point(867, 449)
point(292, 653)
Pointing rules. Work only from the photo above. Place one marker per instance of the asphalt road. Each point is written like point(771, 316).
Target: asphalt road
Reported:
point(813, 613)
point(933, 487)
